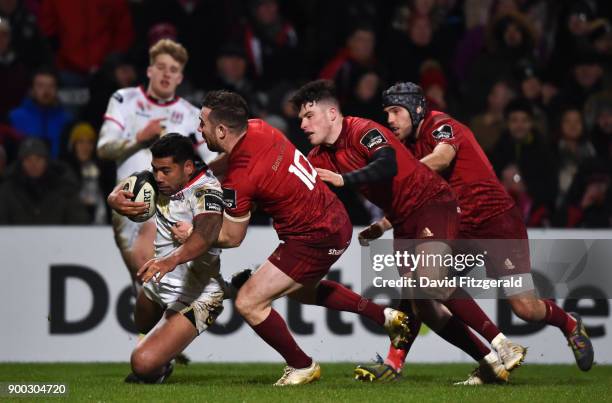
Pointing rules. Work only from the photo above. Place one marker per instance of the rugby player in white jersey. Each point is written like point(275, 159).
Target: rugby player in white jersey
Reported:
point(134, 119)
point(175, 309)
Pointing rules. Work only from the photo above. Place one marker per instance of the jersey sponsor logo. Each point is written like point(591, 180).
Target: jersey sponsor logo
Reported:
point(229, 198)
point(117, 97)
point(372, 139)
point(336, 252)
point(443, 132)
point(176, 117)
point(212, 203)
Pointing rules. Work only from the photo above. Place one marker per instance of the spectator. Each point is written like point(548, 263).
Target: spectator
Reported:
point(26, 38)
point(434, 84)
point(41, 114)
point(84, 33)
point(586, 80)
point(13, 73)
point(96, 177)
point(510, 41)
point(522, 145)
point(271, 44)
point(531, 89)
point(488, 126)
point(231, 74)
point(602, 133)
point(589, 200)
point(366, 99)
point(118, 71)
point(39, 191)
point(352, 61)
point(573, 149)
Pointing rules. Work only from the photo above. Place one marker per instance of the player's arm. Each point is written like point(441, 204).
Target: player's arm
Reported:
point(114, 146)
point(206, 229)
point(382, 166)
point(440, 158)
point(233, 231)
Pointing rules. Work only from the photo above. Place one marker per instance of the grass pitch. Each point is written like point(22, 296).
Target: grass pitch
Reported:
point(252, 383)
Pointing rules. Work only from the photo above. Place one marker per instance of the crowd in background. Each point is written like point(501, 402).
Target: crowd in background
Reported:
point(531, 78)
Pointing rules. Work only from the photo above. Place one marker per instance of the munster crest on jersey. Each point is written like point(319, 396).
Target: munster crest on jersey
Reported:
point(443, 132)
point(372, 139)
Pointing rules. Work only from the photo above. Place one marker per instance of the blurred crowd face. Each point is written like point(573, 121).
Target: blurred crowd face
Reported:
point(231, 68)
point(571, 125)
point(520, 124)
point(587, 75)
point(361, 45)
point(165, 74)
point(531, 88)
point(5, 38)
point(604, 121)
point(125, 75)
point(34, 166)
point(44, 90)
point(367, 87)
point(499, 97)
point(421, 31)
point(317, 121)
point(84, 150)
point(399, 121)
point(424, 7)
point(7, 7)
point(513, 37)
point(266, 12)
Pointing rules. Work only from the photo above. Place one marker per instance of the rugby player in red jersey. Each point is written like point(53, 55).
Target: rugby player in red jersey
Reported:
point(266, 170)
point(418, 204)
point(487, 211)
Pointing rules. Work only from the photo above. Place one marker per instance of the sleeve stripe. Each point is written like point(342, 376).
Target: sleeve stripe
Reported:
point(237, 219)
point(107, 117)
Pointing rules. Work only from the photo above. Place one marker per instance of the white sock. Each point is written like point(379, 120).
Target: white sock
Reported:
point(490, 358)
point(498, 340)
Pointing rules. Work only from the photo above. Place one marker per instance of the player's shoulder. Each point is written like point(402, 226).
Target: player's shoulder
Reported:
point(187, 106)
point(203, 183)
point(440, 126)
point(367, 132)
point(125, 95)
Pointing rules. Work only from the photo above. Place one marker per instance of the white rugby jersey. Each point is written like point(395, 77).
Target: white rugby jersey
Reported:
point(129, 110)
point(202, 195)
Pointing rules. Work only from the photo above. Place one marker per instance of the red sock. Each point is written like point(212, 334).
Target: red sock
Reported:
point(396, 357)
point(273, 330)
point(458, 334)
point(468, 311)
point(558, 317)
point(335, 296)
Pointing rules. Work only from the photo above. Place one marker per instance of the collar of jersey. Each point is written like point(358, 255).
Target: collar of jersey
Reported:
point(156, 101)
point(196, 177)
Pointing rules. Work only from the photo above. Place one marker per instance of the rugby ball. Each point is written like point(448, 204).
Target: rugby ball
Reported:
point(144, 188)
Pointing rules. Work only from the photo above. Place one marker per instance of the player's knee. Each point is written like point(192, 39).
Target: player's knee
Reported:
point(527, 309)
point(244, 304)
point(145, 363)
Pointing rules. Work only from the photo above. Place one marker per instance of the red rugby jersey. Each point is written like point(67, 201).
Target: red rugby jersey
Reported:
point(266, 170)
point(471, 176)
point(399, 196)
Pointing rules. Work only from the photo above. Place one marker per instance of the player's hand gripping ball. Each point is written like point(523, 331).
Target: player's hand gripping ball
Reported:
point(144, 188)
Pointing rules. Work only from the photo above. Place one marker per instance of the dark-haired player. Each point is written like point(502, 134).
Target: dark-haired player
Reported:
point(487, 211)
point(264, 168)
point(418, 204)
point(175, 309)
